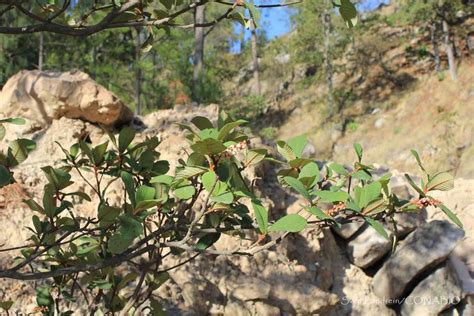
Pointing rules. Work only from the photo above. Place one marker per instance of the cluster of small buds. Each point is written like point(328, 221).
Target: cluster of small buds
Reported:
point(41, 309)
point(336, 209)
point(234, 149)
point(425, 202)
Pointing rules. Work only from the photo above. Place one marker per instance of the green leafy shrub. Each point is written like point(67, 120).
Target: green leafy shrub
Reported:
point(268, 132)
point(167, 213)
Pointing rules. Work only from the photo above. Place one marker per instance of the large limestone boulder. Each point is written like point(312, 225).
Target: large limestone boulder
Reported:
point(422, 250)
point(41, 97)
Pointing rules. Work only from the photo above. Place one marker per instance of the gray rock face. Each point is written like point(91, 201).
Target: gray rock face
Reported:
point(367, 248)
point(348, 229)
point(408, 222)
point(421, 250)
point(434, 294)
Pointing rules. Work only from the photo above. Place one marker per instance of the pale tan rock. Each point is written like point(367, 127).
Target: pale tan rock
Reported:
point(41, 97)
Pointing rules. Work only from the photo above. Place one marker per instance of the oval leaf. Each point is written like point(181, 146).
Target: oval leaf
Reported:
point(293, 223)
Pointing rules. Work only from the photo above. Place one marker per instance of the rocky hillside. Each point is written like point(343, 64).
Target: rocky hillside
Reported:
point(388, 97)
point(348, 271)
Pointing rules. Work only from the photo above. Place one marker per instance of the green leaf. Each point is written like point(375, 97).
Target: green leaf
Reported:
point(375, 207)
point(443, 181)
point(185, 191)
point(18, 150)
point(309, 174)
point(208, 146)
point(43, 296)
point(208, 180)
point(293, 223)
point(207, 240)
point(316, 211)
point(74, 150)
point(238, 17)
point(126, 279)
point(225, 198)
point(118, 243)
point(168, 3)
point(87, 248)
point(362, 175)
point(86, 149)
point(418, 160)
point(223, 119)
point(37, 224)
point(58, 178)
point(253, 13)
point(285, 150)
point(297, 144)
point(377, 226)
point(145, 205)
point(254, 156)
point(144, 193)
point(6, 305)
point(188, 172)
point(332, 197)
point(299, 162)
point(165, 179)
point(453, 217)
point(3, 131)
point(126, 136)
point(5, 176)
point(339, 169)
point(49, 200)
point(98, 153)
point(369, 193)
point(202, 122)
point(298, 186)
point(34, 206)
point(414, 186)
point(196, 159)
point(107, 215)
point(82, 195)
point(130, 226)
point(147, 159)
point(348, 12)
point(13, 120)
point(261, 215)
point(359, 151)
point(129, 186)
point(208, 133)
point(227, 128)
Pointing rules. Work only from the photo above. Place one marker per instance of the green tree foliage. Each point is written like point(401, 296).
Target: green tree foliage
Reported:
point(308, 42)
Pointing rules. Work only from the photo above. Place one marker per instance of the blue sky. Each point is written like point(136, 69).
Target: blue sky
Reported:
point(276, 21)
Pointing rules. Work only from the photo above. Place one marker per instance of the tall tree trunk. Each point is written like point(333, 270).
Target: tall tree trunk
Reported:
point(138, 73)
point(255, 65)
point(449, 50)
point(41, 51)
point(198, 59)
point(328, 58)
point(434, 42)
